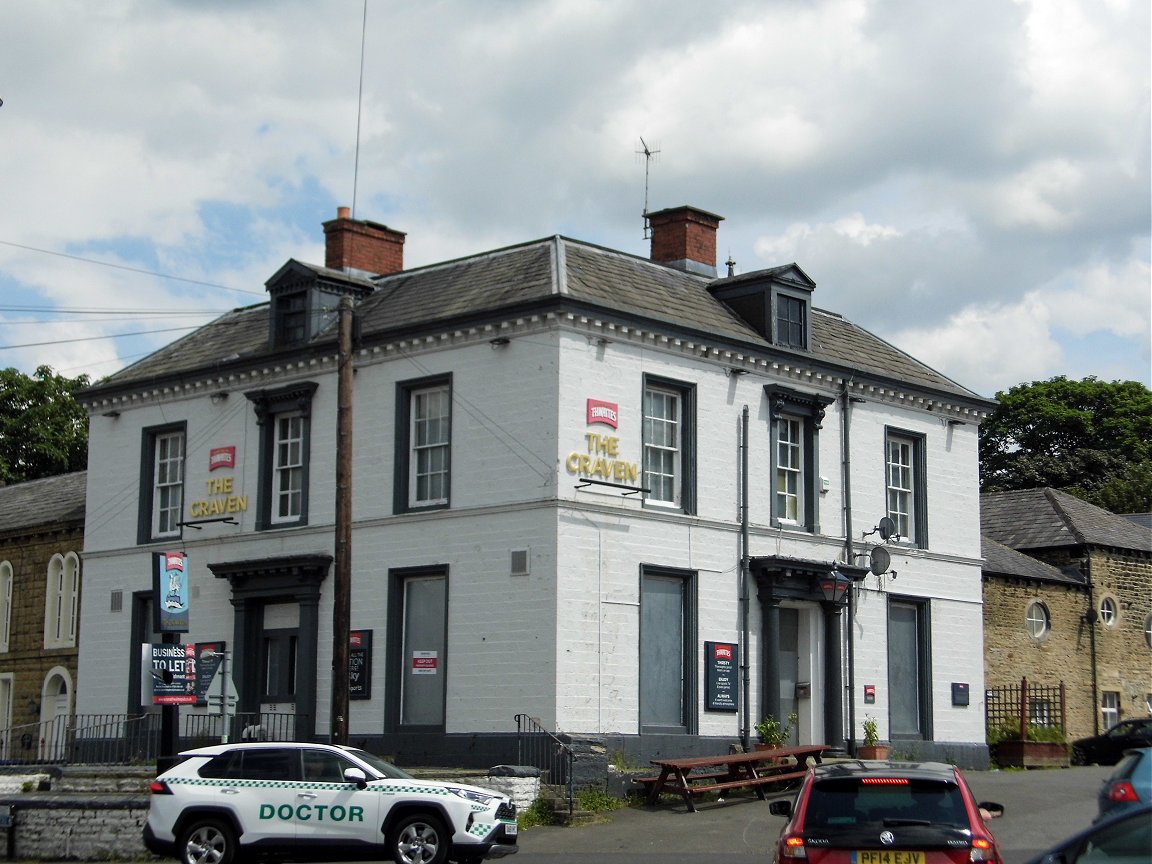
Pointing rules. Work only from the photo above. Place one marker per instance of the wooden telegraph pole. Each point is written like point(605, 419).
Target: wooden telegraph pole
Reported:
point(342, 589)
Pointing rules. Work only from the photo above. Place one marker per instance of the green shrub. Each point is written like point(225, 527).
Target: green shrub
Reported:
point(1009, 730)
point(597, 801)
point(539, 812)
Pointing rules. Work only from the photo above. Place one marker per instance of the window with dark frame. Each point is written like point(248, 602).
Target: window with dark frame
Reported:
point(668, 434)
point(791, 321)
point(162, 482)
point(423, 444)
point(284, 417)
point(906, 485)
point(796, 418)
point(292, 318)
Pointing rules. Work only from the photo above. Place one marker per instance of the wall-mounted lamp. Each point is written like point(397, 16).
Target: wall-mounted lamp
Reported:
point(499, 342)
point(956, 423)
point(734, 370)
point(112, 414)
point(219, 396)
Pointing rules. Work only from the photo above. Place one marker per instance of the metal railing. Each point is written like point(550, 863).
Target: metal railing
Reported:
point(538, 747)
point(125, 739)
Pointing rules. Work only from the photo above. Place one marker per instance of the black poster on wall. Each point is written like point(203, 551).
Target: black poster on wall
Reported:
point(360, 664)
point(721, 676)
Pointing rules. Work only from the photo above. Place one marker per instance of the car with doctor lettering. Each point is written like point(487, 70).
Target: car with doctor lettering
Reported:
point(236, 802)
point(886, 813)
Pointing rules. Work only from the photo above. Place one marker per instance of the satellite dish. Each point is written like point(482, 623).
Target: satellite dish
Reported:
point(879, 560)
point(887, 529)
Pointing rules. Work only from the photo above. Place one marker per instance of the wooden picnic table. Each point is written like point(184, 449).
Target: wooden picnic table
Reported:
point(755, 770)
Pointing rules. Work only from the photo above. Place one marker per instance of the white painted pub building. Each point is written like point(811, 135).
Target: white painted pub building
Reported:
point(639, 502)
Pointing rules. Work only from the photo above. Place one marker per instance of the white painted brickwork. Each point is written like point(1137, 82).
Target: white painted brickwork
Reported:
point(562, 642)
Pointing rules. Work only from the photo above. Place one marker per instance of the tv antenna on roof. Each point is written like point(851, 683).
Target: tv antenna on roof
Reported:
point(648, 153)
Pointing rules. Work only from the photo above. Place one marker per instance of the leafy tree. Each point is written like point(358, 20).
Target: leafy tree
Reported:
point(1090, 438)
point(43, 429)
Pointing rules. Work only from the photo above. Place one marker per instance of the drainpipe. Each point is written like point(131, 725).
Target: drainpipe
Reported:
point(745, 720)
point(1090, 617)
point(850, 558)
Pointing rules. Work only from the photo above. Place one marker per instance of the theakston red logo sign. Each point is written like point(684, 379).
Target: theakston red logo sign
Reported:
point(603, 412)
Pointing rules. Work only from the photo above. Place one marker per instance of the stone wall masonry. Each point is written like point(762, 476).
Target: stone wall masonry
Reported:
point(85, 828)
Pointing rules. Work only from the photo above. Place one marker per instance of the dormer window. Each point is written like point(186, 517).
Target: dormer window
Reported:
point(306, 301)
point(291, 313)
point(775, 303)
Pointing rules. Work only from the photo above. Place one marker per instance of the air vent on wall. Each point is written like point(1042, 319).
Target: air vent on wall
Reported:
point(117, 604)
point(519, 562)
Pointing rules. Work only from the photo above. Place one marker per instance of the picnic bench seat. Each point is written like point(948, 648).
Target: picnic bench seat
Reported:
point(756, 770)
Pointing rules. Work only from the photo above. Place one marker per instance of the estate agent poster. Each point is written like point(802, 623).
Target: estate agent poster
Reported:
point(173, 673)
point(721, 675)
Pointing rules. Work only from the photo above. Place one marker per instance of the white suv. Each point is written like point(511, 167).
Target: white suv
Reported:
point(232, 802)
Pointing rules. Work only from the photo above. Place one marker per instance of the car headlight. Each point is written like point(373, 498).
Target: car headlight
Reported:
point(473, 795)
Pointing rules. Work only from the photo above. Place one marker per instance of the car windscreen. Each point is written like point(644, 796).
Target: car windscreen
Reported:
point(851, 801)
point(383, 768)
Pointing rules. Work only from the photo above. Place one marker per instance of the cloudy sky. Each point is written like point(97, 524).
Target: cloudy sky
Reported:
point(967, 180)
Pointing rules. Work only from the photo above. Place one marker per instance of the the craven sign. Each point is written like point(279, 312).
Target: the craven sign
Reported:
point(601, 457)
point(221, 498)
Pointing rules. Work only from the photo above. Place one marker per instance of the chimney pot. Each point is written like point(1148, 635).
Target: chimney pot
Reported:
point(343, 213)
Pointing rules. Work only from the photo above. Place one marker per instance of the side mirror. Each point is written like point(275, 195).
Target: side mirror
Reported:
point(780, 808)
point(990, 810)
point(357, 776)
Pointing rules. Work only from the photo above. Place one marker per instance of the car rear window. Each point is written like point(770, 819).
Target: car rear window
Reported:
point(253, 765)
point(863, 800)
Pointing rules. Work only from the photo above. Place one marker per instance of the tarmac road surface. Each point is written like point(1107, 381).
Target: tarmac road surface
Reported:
point(1040, 807)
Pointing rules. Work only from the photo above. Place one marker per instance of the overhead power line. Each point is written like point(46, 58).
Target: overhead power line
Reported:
point(127, 268)
point(93, 338)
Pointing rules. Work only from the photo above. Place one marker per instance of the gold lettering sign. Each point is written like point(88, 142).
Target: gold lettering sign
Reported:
point(600, 461)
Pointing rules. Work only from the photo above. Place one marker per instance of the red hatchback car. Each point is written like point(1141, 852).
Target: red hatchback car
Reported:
point(885, 813)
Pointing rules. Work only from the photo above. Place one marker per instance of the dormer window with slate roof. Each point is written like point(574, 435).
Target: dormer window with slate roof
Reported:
point(776, 303)
point(306, 301)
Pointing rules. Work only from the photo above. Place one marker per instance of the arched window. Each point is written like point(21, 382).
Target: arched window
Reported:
point(5, 604)
point(62, 601)
point(1037, 620)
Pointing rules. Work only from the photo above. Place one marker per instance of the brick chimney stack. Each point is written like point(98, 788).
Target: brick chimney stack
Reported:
point(685, 238)
point(353, 244)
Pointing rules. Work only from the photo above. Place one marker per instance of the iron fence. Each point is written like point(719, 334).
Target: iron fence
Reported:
point(538, 747)
point(124, 739)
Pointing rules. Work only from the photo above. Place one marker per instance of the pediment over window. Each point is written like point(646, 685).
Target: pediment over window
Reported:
point(775, 302)
point(306, 301)
point(786, 400)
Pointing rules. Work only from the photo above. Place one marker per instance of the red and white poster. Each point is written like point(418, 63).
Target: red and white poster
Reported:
point(425, 662)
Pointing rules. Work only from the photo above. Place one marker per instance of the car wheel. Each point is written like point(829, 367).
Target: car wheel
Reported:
point(419, 839)
point(207, 841)
point(1078, 757)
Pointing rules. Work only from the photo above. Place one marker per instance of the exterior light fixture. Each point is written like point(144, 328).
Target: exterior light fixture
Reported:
point(834, 587)
point(499, 342)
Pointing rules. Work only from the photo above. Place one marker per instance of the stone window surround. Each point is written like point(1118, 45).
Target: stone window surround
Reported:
point(1108, 609)
point(1044, 616)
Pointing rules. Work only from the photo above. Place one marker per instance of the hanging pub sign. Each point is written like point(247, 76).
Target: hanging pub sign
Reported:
point(722, 662)
point(360, 664)
point(170, 592)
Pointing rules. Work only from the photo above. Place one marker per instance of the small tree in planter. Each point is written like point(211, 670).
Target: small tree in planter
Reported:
point(773, 734)
point(872, 748)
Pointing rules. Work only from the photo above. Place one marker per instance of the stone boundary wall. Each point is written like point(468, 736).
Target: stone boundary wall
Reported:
point(95, 826)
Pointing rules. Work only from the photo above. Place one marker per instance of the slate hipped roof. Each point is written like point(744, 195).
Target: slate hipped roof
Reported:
point(1051, 519)
point(38, 504)
point(543, 275)
point(999, 560)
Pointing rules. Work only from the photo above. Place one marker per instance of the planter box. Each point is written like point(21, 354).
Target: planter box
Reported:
point(1031, 754)
point(874, 751)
